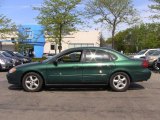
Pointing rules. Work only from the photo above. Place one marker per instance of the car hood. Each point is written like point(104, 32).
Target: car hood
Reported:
point(137, 56)
point(28, 64)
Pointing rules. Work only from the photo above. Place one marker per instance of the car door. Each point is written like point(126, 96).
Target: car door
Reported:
point(96, 66)
point(68, 69)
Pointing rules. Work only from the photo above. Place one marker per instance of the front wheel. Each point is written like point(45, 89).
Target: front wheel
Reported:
point(119, 82)
point(155, 67)
point(32, 82)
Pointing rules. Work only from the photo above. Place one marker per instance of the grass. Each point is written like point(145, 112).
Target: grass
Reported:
point(38, 59)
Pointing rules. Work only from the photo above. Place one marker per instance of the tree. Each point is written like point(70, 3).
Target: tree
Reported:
point(6, 26)
point(102, 41)
point(59, 18)
point(138, 37)
point(112, 13)
point(155, 9)
point(21, 44)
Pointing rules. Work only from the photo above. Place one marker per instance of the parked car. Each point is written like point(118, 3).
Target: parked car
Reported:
point(8, 58)
point(157, 64)
point(152, 59)
point(5, 64)
point(15, 60)
point(24, 59)
point(143, 53)
point(48, 55)
point(81, 66)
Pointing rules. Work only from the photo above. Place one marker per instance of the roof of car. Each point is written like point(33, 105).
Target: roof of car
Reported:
point(82, 48)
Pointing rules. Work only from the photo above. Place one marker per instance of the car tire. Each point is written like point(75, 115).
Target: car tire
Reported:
point(0, 67)
point(155, 67)
point(119, 82)
point(32, 82)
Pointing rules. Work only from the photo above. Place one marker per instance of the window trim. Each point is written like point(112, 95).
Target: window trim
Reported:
point(69, 53)
point(107, 52)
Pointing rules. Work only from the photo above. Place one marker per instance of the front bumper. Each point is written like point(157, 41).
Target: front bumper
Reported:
point(14, 78)
point(158, 65)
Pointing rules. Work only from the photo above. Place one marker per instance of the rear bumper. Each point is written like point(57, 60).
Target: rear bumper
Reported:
point(142, 75)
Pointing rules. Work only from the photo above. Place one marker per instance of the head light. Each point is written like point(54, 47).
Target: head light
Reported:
point(14, 60)
point(25, 59)
point(12, 70)
point(2, 61)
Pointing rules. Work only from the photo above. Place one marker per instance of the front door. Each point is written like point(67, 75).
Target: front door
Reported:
point(67, 71)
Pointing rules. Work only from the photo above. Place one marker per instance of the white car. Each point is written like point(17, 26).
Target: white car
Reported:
point(158, 64)
point(144, 53)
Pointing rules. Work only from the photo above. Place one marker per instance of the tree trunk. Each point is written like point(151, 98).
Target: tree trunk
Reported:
point(113, 33)
point(113, 42)
point(60, 38)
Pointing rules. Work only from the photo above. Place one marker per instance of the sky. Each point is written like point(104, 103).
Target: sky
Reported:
point(21, 11)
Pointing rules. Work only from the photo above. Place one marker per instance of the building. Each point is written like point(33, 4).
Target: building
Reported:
point(34, 36)
point(76, 39)
point(7, 41)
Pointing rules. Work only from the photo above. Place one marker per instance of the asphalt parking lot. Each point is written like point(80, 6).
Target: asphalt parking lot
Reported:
point(140, 102)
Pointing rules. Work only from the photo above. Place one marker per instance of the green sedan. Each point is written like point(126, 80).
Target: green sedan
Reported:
point(90, 66)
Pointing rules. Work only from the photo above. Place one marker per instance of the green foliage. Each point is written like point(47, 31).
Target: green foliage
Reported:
point(102, 41)
point(139, 37)
point(20, 47)
point(21, 43)
point(38, 59)
point(59, 17)
point(155, 9)
point(6, 26)
point(112, 13)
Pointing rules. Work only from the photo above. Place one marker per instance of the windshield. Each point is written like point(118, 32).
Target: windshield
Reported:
point(141, 52)
point(19, 55)
point(1, 55)
point(156, 53)
point(6, 54)
point(50, 58)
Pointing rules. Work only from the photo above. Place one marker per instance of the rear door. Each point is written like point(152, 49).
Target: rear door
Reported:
point(96, 66)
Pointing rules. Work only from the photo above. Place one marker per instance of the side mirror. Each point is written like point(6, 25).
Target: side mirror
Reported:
point(55, 62)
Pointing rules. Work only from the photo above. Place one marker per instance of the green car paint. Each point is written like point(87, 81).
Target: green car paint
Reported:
point(82, 72)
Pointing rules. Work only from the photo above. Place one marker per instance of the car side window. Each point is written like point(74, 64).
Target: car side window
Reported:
point(151, 52)
point(97, 56)
point(70, 57)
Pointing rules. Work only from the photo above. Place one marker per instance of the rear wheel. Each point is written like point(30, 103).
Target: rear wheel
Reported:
point(119, 81)
point(32, 82)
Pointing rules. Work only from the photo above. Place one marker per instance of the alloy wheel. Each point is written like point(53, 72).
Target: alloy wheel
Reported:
point(32, 82)
point(120, 81)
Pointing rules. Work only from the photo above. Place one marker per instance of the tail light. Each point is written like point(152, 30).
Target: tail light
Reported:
point(145, 64)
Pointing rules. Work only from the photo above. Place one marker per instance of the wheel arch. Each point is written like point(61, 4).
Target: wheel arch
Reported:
point(131, 80)
point(44, 82)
